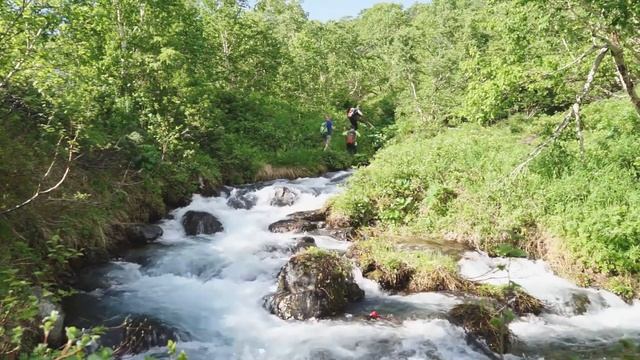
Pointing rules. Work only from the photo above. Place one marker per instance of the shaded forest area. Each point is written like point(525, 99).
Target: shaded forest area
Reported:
point(114, 111)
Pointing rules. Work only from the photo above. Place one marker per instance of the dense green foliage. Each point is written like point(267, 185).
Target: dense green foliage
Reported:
point(513, 65)
point(111, 111)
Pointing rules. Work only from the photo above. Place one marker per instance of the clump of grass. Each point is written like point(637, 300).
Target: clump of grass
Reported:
point(408, 270)
point(512, 296)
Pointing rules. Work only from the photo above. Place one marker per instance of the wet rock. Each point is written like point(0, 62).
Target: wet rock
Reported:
point(242, 200)
point(225, 191)
point(313, 284)
point(105, 276)
point(284, 197)
point(142, 234)
point(303, 243)
point(139, 334)
point(45, 307)
point(313, 191)
point(200, 222)
point(292, 225)
point(343, 234)
point(312, 215)
point(299, 245)
point(482, 323)
point(580, 303)
point(340, 178)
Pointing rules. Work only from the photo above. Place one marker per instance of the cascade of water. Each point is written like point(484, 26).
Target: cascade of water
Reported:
point(210, 289)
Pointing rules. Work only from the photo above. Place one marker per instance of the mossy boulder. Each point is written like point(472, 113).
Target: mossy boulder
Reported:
point(580, 303)
point(313, 284)
point(483, 323)
point(512, 296)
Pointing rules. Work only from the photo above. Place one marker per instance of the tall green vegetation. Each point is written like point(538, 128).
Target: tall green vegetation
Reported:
point(507, 79)
point(112, 110)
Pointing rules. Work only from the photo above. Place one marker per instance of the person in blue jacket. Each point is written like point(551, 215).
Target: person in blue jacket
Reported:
point(327, 130)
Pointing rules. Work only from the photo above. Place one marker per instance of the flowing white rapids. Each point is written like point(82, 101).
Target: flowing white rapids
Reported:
point(579, 322)
point(211, 288)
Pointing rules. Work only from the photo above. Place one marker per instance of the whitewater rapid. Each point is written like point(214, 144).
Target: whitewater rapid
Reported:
point(210, 290)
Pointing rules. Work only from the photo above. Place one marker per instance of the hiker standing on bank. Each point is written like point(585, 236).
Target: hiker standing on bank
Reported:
point(326, 130)
point(354, 114)
point(351, 139)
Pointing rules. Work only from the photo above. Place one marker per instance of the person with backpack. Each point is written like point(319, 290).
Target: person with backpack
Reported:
point(326, 130)
point(351, 140)
point(354, 114)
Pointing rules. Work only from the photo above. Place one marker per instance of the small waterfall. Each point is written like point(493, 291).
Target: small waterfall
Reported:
point(209, 290)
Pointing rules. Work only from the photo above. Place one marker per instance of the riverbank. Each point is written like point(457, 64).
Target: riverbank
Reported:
point(86, 220)
point(454, 187)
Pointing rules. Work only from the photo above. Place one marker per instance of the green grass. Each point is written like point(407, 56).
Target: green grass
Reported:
point(456, 183)
point(386, 255)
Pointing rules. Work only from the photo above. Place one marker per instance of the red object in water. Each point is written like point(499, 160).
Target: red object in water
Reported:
point(374, 315)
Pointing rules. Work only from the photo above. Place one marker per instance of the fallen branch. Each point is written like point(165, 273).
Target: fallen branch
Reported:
point(574, 112)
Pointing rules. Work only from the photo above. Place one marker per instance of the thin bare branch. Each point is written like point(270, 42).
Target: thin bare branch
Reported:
point(579, 59)
point(576, 113)
point(21, 62)
point(39, 192)
point(575, 109)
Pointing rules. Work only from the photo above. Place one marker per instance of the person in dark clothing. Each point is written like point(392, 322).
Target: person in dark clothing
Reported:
point(351, 140)
point(354, 114)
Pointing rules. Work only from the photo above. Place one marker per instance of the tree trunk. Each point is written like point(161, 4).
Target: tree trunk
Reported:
point(621, 67)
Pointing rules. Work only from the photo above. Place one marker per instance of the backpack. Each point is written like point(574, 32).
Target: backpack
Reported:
point(351, 137)
point(323, 129)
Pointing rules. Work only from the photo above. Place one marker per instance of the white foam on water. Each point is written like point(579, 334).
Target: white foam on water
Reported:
point(606, 320)
point(212, 287)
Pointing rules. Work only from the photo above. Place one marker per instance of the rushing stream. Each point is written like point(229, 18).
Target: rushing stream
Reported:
point(209, 291)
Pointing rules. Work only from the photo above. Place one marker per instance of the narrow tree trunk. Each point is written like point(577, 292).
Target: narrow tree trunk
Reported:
point(621, 67)
point(415, 98)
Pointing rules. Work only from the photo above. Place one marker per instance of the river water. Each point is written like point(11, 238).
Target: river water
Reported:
point(209, 291)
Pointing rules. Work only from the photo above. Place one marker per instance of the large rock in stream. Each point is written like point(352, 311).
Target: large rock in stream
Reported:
point(292, 225)
point(313, 284)
point(284, 197)
point(200, 222)
point(242, 199)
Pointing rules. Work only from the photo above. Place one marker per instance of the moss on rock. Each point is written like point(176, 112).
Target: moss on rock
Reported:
point(485, 322)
